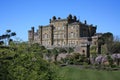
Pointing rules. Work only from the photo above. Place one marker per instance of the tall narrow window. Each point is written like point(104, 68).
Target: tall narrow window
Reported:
point(58, 28)
point(63, 27)
point(45, 36)
point(72, 27)
point(72, 34)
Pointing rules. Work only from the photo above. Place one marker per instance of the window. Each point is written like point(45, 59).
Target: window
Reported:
point(58, 36)
point(72, 34)
point(55, 42)
point(58, 43)
point(76, 34)
point(64, 35)
point(63, 43)
point(45, 36)
point(54, 28)
point(58, 28)
point(77, 42)
point(83, 51)
point(72, 27)
point(63, 27)
point(69, 35)
point(55, 36)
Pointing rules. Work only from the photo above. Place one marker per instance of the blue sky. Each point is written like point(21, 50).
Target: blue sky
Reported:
point(21, 15)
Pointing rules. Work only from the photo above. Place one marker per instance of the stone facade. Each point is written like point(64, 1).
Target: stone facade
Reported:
point(63, 32)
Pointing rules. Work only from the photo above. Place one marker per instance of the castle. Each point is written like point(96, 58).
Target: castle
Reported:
point(68, 32)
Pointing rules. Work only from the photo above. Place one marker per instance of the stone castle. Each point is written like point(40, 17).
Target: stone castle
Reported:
point(68, 32)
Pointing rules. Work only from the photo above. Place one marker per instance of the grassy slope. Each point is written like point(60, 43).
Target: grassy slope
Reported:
point(74, 73)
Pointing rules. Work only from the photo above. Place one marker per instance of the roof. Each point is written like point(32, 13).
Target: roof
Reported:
point(58, 20)
point(74, 23)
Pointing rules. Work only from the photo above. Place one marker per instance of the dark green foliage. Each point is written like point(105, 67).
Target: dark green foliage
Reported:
point(93, 51)
point(7, 36)
point(1, 42)
point(110, 60)
point(75, 58)
point(70, 49)
point(62, 50)
point(24, 62)
point(30, 67)
point(56, 51)
point(106, 38)
point(37, 49)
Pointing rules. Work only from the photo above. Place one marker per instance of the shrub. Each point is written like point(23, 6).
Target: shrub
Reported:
point(23, 65)
point(75, 58)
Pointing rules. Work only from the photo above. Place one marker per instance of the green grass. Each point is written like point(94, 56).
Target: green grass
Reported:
point(75, 73)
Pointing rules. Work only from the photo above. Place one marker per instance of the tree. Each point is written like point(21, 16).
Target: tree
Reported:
point(114, 46)
point(106, 38)
point(93, 50)
point(49, 54)
point(110, 44)
point(100, 43)
point(69, 49)
point(7, 36)
point(55, 52)
point(22, 62)
point(1, 42)
point(37, 49)
point(62, 50)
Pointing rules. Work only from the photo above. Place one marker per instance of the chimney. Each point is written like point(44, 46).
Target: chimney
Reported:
point(85, 22)
point(32, 29)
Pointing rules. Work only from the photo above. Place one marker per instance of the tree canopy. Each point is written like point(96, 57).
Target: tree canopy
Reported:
point(21, 61)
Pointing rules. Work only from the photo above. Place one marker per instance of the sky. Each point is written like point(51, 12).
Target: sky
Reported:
point(21, 15)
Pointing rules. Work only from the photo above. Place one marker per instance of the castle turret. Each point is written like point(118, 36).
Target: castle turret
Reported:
point(31, 34)
point(40, 34)
point(75, 18)
point(52, 38)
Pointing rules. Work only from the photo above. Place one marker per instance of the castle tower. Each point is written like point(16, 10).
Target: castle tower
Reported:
point(40, 34)
point(31, 35)
point(52, 33)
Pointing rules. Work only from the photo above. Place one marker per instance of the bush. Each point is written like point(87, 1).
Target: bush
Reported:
point(75, 58)
point(24, 65)
point(110, 60)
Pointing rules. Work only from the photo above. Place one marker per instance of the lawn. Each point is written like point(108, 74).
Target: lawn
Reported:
point(75, 73)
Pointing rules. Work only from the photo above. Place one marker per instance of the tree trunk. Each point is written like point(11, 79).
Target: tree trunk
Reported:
point(56, 57)
point(99, 48)
point(118, 62)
